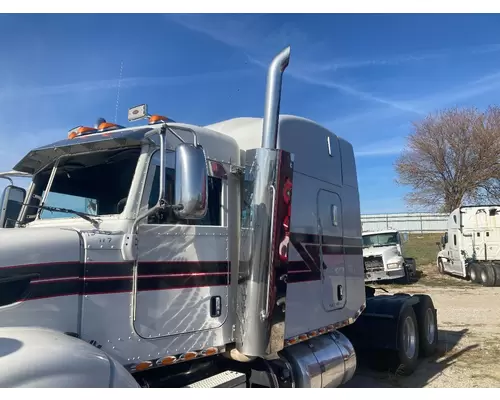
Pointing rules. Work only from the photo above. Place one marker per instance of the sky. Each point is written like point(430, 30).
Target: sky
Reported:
point(364, 77)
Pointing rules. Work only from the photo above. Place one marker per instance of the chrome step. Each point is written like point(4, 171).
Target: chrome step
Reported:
point(226, 379)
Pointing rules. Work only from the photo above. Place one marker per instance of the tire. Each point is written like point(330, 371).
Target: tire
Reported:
point(412, 265)
point(405, 280)
point(405, 360)
point(475, 273)
point(427, 325)
point(488, 275)
point(496, 267)
point(440, 267)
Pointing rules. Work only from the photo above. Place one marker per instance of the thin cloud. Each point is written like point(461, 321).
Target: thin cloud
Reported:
point(336, 65)
point(99, 85)
point(330, 84)
point(228, 36)
point(379, 151)
point(464, 91)
point(392, 146)
point(246, 34)
point(239, 33)
point(398, 59)
point(231, 35)
point(357, 93)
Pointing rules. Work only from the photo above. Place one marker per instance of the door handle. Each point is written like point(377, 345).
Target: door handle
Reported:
point(334, 215)
point(340, 292)
point(215, 306)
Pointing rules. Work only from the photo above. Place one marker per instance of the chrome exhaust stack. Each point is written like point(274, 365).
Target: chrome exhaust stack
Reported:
point(273, 99)
point(257, 333)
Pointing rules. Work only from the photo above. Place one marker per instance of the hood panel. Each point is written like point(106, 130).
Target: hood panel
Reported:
point(21, 246)
point(387, 252)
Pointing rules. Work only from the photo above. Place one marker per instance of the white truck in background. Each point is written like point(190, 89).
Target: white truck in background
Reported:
point(383, 256)
point(227, 255)
point(470, 248)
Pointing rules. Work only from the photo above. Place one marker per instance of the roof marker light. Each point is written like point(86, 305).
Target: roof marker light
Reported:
point(80, 131)
point(154, 119)
point(107, 126)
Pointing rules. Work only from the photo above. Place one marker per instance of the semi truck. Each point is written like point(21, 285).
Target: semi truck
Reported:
point(383, 257)
point(470, 247)
point(168, 254)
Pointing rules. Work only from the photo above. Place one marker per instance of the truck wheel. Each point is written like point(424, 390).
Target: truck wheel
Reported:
point(497, 274)
point(405, 280)
point(406, 358)
point(488, 276)
point(427, 325)
point(440, 267)
point(475, 273)
point(413, 266)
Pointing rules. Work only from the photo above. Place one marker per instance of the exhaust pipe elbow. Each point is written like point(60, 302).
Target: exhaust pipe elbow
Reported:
point(273, 98)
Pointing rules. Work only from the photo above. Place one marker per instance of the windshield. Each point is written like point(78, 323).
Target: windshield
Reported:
point(95, 183)
point(382, 239)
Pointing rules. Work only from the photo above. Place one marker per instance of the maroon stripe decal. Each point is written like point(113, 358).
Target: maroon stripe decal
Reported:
point(40, 281)
point(310, 248)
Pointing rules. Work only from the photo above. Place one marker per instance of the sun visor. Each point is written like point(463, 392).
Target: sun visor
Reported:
point(43, 156)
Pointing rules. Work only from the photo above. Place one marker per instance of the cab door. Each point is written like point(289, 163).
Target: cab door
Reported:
point(183, 268)
point(330, 229)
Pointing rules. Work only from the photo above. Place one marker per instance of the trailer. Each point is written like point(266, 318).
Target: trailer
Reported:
point(167, 254)
point(470, 248)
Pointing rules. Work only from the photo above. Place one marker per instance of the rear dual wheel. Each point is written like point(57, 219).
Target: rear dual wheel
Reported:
point(428, 330)
point(488, 275)
point(417, 335)
point(496, 267)
point(475, 273)
point(485, 274)
point(405, 359)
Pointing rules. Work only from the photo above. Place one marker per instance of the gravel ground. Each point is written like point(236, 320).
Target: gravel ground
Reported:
point(469, 339)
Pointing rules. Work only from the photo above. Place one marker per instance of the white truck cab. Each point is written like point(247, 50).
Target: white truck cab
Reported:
point(383, 256)
point(175, 255)
point(470, 248)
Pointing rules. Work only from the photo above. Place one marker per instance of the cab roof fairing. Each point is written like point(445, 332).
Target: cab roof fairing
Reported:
point(218, 147)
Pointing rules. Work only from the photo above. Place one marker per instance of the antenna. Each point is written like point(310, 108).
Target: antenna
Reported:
point(118, 93)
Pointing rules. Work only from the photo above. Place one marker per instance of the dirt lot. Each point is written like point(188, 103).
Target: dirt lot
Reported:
point(469, 337)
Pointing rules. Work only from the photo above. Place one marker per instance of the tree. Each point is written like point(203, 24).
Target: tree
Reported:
point(452, 158)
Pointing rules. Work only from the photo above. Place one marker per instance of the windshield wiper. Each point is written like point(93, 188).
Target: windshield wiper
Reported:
point(86, 217)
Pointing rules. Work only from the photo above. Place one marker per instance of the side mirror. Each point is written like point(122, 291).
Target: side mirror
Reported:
point(191, 182)
point(405, 237)
point(12, 199)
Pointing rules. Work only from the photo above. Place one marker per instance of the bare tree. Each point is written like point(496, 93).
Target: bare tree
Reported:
point(452, 158)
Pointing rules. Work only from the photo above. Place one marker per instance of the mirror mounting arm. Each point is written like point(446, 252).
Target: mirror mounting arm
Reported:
point(6, 177)
point(161, 197)
point(195, 136)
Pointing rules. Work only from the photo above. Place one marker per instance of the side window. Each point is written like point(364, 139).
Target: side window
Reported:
point(455, 240)
point(214, 212)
